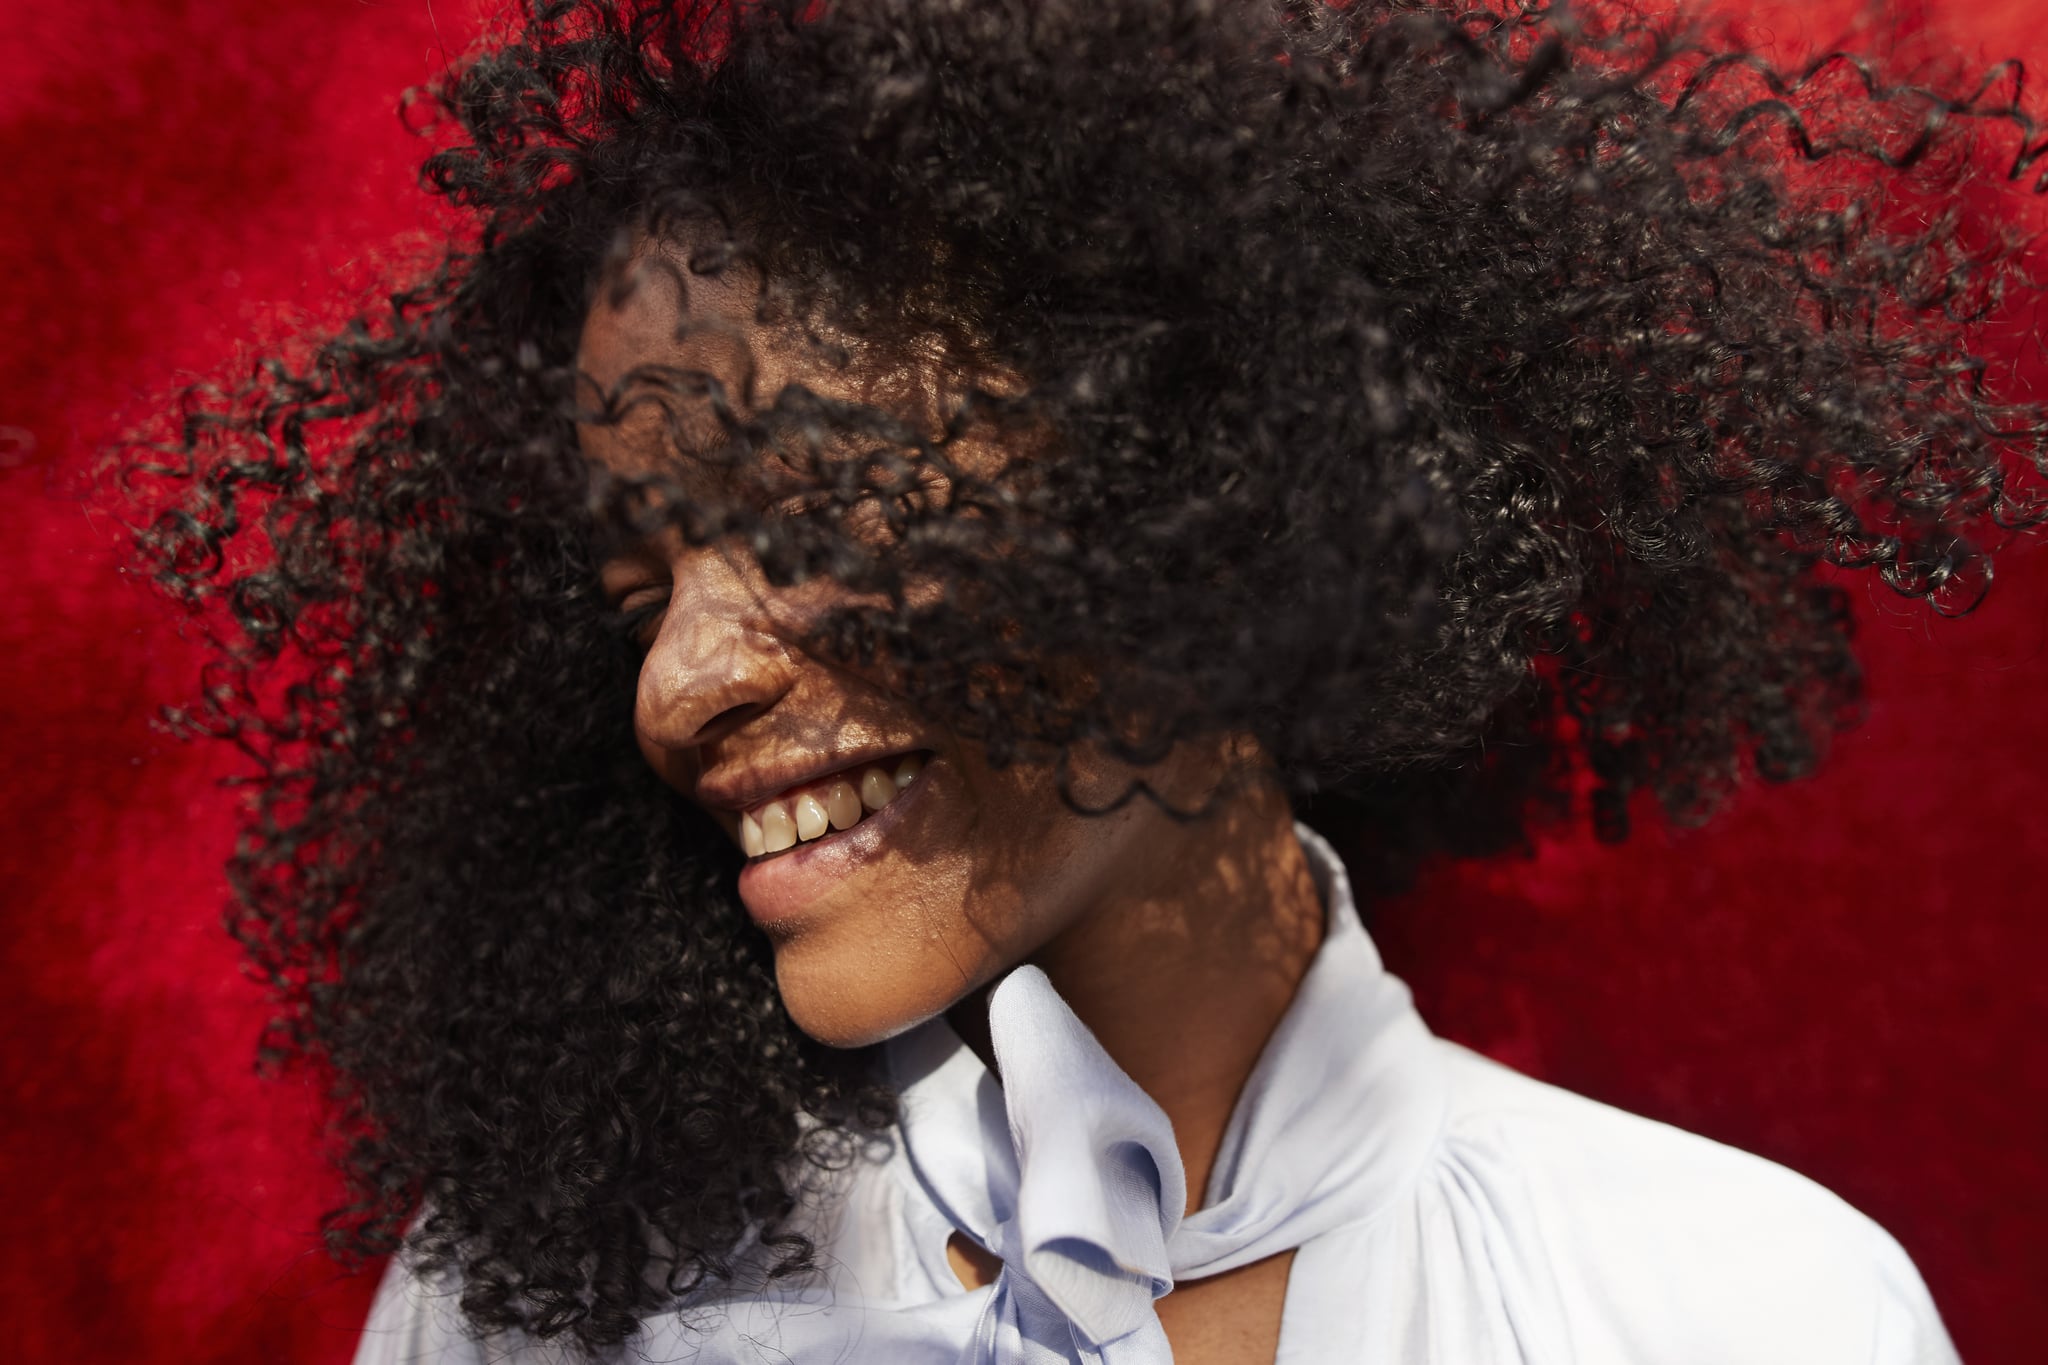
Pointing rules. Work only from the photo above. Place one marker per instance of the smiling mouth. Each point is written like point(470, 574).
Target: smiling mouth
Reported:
point(825, 807)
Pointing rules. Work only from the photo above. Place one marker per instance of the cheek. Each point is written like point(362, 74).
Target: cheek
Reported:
point(1038, 865)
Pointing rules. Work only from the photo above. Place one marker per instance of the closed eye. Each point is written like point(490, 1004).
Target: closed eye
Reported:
point(637, 598)
point(637, 617)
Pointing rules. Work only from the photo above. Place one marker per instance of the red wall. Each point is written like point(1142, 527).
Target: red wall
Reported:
point(1842, 975)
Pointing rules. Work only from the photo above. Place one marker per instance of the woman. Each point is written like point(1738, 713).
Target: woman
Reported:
point(789, 666)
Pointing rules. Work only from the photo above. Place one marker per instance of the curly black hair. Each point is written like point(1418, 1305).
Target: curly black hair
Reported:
point(1475, 406)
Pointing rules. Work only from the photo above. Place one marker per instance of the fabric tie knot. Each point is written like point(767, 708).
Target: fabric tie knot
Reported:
point(1093, 1186)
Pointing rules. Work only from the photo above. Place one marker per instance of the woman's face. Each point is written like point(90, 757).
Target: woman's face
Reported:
point(892, 869)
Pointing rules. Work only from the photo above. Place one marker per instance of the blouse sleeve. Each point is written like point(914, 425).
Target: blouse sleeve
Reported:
point(1909, 1330)
point(1575, 1231)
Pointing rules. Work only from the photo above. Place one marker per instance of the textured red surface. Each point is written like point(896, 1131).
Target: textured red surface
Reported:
point(1843, 976)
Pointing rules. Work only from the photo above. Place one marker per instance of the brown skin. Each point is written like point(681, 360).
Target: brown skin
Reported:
point(1178, 944)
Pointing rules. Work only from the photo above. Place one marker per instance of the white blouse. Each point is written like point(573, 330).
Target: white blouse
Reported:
point(1446, 1211)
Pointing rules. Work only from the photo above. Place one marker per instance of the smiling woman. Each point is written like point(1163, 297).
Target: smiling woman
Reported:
point(790, 669)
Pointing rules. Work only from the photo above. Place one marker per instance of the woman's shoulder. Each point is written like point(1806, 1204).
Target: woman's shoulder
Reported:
point(1640, 1241)
point(872, 1245)
point(415, 1321)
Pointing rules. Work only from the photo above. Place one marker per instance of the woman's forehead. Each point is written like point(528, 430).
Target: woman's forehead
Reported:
point(658, 317)
point(680, 329)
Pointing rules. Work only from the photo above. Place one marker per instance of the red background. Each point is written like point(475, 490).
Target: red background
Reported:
point(1842, 976)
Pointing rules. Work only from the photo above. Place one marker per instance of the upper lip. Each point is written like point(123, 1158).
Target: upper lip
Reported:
point(741, 787)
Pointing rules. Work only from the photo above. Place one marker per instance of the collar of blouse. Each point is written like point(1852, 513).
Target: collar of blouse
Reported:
point(1068, 1172)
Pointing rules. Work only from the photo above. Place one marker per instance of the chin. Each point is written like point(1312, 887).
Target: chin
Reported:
point(845, 1007)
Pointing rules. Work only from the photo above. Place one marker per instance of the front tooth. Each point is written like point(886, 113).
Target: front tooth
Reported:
point(810, 817)
point(778, 831)
point(842, 804)
point(750, 836)
point(877, 788)
point(907, 770)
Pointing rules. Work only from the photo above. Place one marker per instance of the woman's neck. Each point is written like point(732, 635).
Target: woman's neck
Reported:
point(1184, 973)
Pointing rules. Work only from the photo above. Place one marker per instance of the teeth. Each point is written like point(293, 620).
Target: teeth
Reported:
point(842, 805)
point(778, 831)
point(839, 804)
point(810, 817)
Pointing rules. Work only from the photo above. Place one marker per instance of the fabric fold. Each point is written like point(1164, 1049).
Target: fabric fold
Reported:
point(1100, 1186)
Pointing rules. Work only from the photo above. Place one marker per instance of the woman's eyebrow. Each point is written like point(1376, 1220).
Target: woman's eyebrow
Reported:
point(616, 548)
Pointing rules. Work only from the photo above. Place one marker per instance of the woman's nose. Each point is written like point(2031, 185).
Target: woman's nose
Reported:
point(714, 665)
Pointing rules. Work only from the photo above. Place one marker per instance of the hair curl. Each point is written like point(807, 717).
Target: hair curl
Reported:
point(1462, 403)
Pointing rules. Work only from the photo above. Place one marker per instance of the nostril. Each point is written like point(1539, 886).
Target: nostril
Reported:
point(726, 721)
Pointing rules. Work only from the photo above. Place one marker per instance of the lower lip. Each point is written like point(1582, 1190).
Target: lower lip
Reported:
point(777, 891)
